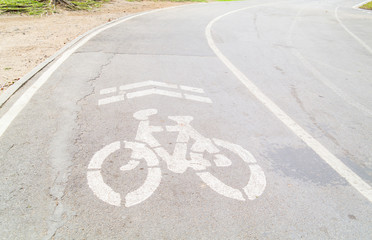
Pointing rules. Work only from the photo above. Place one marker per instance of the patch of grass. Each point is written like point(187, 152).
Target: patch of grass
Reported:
point(170, 0)
point(367, 6)
point(32, 7)
point(37, 7)
point(228, 0)
point(86, 4)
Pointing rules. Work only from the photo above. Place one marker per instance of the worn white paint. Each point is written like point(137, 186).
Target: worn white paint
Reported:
point(94, 177)
point(132, 164)
point(154, 91)
point(176, 162)
point(101, 189)
point(108, 90)
point(357, 182)
point(186, 131)
point(219, 187)
point(109, 100)
point(192, 89)
point(257, 182)
point(222, 161)
point(243, 154)
point(197, 98)
point(140, 151)
point(143, 115)
point(151, 183)
point(101, 155)
point(147, 84)
point(145, 130)
point(360, 41)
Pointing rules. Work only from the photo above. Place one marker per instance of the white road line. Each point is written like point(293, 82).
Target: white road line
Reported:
point(192, 89)
point(360, 4)
point(317, 147)
point(108, 90)
point(351, 33)
point(112, 99)
point(146, 84)
point(154, 91)
point(143, 93)
point(18, 106)
point(151, 91)
point(197, 98)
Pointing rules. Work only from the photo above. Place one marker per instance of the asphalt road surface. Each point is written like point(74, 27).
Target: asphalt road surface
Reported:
point(228, 120)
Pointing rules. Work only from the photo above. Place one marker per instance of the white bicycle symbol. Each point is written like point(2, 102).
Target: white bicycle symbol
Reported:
point(146, 147)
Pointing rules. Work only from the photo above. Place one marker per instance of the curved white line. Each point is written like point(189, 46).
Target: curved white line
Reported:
point(101, 189)
point(351, 33)
point(101, 155)
point(245, 155)
point(351, 101)
point(257, 182)
point(325, 154)
point(151, 183)
point(216, 185)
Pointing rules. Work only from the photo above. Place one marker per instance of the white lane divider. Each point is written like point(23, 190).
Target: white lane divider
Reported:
point(354, 180)
point(173, 90)
point(360, 41)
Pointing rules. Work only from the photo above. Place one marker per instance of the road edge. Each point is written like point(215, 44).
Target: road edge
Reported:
point(17, 85)
point(9, 92)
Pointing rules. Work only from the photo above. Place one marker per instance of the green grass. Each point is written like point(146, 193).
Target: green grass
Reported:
point(367, 6)
point(87, 4)
point(170, 0)
point(37, 7)
point(31, 7)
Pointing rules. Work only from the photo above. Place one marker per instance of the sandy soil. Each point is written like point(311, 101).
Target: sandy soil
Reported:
point(26, 41)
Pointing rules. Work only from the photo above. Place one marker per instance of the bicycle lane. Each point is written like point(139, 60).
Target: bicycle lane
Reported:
point(179, 77)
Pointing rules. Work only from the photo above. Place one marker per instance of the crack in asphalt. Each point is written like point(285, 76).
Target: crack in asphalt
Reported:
point(57, 192)
point(63, 160)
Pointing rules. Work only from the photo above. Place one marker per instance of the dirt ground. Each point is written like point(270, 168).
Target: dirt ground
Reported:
point(27, 41)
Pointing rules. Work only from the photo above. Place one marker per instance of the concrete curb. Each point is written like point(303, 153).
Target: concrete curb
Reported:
point(17, 85)
point(357, 7)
